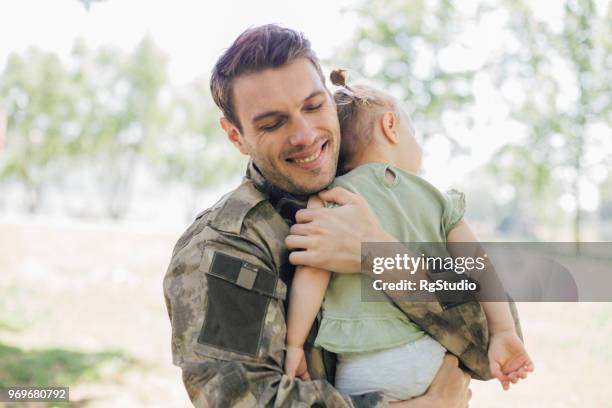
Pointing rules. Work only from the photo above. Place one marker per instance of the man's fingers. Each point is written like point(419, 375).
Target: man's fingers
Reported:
point(299, 229)
point(339, 195)
point(315, 202)
point(297, 242)
point(306, 215)
point(306, 229)
point(309, 214)
point(301, 258)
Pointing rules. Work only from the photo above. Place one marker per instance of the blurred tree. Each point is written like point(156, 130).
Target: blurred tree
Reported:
point(556, 82)
point(87, 3)
point(107, 114)
point(40, 97)
point(605, 209)
point(564, 76)
point(405, 45)
point(125, 112)
point(196, 151)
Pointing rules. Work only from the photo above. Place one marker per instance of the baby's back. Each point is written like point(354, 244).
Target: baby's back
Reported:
point(407, 206)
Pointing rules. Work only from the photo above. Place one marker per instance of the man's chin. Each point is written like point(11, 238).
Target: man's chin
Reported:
point(314, 186)
point(299, 182)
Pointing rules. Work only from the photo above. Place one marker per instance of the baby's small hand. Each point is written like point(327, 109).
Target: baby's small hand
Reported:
point(295, 363)
point(508, 358)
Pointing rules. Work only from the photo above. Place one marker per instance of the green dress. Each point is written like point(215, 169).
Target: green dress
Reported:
point(410, 209)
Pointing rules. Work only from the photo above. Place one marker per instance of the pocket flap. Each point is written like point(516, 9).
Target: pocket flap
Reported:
point(244, 274)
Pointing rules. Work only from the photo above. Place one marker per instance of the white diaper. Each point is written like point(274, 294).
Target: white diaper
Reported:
point(400, 373)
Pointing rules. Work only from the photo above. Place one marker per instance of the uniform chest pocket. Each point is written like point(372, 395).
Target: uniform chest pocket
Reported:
point(238, 297)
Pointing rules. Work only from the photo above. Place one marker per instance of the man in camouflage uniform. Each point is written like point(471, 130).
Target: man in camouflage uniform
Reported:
point(227, 283)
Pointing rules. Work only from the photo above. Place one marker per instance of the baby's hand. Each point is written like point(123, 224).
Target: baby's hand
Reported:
point(295, 363)
point(508, 358)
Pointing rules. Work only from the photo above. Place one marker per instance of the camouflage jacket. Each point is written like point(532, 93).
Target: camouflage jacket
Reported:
point(226, 293)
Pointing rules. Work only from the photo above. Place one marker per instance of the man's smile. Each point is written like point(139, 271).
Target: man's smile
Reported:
point(311, 158)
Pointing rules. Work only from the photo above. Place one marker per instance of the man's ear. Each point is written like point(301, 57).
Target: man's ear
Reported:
point(389, 125)
point(234, 136)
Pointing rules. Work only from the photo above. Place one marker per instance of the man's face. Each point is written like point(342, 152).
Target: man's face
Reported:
point(289, 126)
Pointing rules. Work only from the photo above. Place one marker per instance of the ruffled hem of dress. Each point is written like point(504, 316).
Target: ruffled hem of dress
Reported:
point(364, 335)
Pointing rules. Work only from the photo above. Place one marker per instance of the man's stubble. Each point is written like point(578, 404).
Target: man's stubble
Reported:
point(273, 171)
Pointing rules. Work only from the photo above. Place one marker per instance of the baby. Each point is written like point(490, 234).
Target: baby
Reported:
point(378, 347)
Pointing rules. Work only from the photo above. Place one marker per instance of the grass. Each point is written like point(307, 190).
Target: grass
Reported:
point(12, 313)
point(57, 366)
point(50, 366)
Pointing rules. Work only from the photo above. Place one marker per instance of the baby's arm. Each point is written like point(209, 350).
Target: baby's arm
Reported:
point(307, 292)
point(509, 360)
point(498, 314)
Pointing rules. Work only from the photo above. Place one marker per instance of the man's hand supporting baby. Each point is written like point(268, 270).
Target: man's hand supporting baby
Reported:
point(330, 238)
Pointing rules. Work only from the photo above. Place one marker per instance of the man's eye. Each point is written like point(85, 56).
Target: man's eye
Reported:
point(314, 107)
point(271, 127)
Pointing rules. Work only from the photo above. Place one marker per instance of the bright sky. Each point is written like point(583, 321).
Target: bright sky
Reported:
point(194, 32)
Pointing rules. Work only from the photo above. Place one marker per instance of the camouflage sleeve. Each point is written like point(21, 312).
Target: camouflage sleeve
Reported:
point(461, 328)
point(228, 327)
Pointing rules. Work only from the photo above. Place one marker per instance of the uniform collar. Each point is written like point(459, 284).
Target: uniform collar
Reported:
point(286, 204)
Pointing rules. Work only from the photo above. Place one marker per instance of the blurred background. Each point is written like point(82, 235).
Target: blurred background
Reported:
point(110, 144)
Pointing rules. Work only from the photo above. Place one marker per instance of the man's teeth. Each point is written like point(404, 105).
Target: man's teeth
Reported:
point(308, 159)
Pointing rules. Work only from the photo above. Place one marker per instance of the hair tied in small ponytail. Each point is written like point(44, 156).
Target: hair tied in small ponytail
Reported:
point(338, 77)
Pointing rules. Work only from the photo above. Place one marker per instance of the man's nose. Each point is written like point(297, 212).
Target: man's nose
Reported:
point(303, 133)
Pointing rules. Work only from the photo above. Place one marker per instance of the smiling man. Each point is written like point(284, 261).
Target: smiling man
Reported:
point(227, 283)
point(288, 123)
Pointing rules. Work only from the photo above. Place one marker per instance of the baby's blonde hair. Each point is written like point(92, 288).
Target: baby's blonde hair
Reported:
point(358, 108)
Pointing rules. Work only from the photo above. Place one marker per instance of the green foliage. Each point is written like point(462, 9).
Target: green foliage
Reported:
point(199, 153)
point(404, 42)
point(124, 114)
point(49, 366)
point(56, 366)
point(13, 315)
point(554, 157)
point(562, 77)
point(605, 209)
point(107, 112)
point(40, 98)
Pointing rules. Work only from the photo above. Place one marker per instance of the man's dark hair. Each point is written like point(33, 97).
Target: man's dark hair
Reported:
point(257, 48)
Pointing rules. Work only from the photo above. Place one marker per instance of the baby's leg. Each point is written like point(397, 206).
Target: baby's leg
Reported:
point(400, 373)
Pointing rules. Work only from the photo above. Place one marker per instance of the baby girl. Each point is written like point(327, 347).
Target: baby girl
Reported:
point(378, 347)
